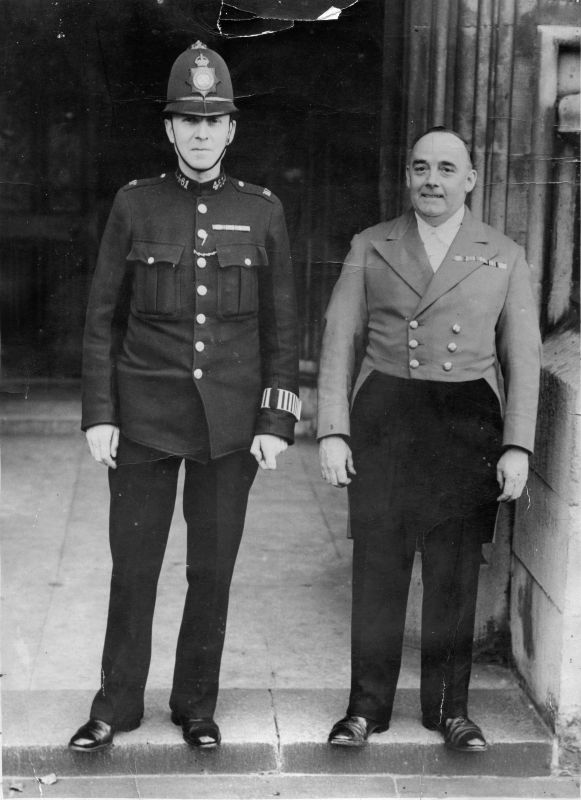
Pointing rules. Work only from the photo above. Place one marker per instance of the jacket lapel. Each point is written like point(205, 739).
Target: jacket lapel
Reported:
point(471, 242)
point(404, 251)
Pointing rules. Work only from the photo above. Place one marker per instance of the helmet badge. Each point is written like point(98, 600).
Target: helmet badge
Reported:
point(203, 77)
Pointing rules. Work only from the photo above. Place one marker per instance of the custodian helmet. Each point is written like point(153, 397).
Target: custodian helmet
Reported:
point(199, 83)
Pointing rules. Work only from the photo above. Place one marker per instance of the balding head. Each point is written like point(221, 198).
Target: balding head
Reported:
point(439, 175)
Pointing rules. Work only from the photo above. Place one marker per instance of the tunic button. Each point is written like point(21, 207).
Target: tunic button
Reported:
point(202, 208)
point(150, 260)
point(452, 347)
point(248, 261)
point(202, 234)
point(202, 290)
point(201, 318)
point(413, 343)
point(456, 328)
point(201, 262)
point(199, 346)
point(240, 183)
point(447, 366)
point(198, 374)
point(414, 363)
point(414, 324)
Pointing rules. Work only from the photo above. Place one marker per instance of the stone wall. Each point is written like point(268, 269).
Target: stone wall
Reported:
point(546, 560)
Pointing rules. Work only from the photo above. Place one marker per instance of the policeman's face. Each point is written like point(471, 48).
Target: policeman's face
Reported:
point(200, 142)
point(439, 176)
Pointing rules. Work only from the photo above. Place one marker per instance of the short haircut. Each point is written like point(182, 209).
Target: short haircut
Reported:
point(444, 129)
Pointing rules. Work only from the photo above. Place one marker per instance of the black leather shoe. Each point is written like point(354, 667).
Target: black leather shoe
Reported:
point(460, 734)
point(354, 731)
point(96, 735)
point(93, 735)
point(199, 732)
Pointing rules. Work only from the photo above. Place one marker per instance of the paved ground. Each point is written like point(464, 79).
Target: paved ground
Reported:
point(289, 618)
point(285, 671)
point(301, 787)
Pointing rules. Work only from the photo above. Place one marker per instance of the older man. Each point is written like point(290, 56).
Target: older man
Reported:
point(427, 400)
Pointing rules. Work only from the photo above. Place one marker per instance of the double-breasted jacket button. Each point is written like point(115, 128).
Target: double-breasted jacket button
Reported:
point(201, 262)
point(150, 260)
point(414, 324)
point(202, 208)
point(240, 183)
point(202, 290)
point(413, 343)
point(199, 346)
point(200, 319)
point(447, 365)
point(248, 261)
point(452, 347)
point(198, 374)
point(414, 363)
point(456, 328)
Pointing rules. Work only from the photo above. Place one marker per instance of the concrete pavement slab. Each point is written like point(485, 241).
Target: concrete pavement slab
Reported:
point(300, 787)
point(519, 742)
point(39, 483)
point(39, 724)
point(428, 786)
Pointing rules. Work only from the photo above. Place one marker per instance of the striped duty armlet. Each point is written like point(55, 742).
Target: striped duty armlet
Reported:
point(282, 400)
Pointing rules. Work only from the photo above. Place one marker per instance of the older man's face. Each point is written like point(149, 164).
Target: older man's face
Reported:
point(439, 176)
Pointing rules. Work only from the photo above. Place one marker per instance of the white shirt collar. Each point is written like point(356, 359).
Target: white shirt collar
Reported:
point(446, 231)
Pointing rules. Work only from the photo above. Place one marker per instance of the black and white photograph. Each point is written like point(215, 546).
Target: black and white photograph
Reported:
point(290, 430)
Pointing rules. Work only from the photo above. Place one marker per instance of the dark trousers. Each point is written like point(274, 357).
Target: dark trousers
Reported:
point(424, 453)
point(382, 567)
point(142, 502)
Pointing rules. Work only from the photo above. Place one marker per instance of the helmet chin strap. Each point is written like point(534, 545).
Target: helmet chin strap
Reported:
point(185, 160)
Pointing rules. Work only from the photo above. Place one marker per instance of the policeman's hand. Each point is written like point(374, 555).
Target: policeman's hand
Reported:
point(511, 473)
point(266, 447)
point(336, 461)
point(103, 442)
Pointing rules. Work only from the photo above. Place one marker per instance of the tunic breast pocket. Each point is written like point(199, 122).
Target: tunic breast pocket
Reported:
point(238, 266)
point(156, 282)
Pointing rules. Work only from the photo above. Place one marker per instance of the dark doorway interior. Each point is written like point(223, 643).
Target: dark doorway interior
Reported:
point(80, 116)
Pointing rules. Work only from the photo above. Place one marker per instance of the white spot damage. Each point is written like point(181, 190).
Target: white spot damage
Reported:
point(274, 14)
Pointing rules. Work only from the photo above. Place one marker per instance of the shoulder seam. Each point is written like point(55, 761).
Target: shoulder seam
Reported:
point(254, 189)
point(138, 182)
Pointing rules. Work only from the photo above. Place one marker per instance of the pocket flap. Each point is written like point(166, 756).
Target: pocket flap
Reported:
point(241, 255)
point(155, 252)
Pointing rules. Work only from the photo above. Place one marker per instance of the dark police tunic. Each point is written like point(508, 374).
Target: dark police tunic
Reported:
point(190, 340)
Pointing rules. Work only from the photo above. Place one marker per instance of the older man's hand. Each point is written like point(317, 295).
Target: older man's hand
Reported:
point(512, 472)
point(336, 461)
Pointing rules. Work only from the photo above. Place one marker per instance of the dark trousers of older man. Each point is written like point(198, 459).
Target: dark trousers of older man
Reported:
point(424, 453)
point(142, 503)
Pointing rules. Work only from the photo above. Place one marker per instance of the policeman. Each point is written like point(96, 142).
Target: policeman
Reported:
point(190, 353)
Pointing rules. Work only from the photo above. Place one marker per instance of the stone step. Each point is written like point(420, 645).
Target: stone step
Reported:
point(40, 408)
point(279, 731)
